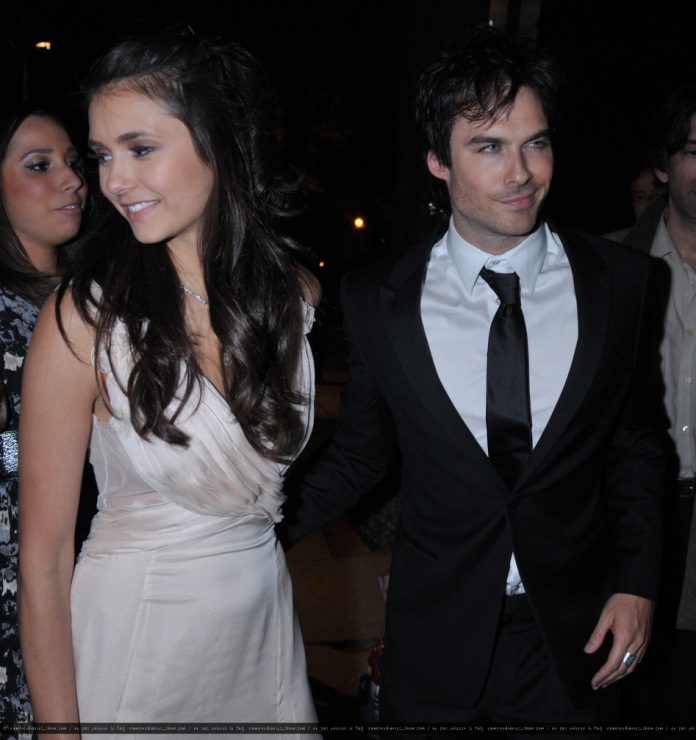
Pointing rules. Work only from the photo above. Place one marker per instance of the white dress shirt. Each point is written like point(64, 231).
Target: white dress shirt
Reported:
point(457, 308)
point(679, 350)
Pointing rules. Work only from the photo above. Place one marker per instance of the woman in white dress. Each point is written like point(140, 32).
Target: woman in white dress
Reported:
point(178, 347)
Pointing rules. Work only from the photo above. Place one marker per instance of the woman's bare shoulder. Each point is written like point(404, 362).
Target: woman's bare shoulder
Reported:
point(61, 323)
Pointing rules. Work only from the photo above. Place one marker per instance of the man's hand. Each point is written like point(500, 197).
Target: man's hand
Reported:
point(630, 620)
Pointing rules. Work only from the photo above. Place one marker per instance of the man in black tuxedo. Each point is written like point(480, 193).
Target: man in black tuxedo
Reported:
point(526, 558)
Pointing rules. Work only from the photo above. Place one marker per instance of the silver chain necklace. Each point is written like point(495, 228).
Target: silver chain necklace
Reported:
point(199, 298)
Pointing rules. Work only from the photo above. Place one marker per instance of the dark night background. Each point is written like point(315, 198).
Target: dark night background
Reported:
point(343, 73)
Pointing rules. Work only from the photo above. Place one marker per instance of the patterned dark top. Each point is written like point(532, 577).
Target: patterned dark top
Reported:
point(17, 319)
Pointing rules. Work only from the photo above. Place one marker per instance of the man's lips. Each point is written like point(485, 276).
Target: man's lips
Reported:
point(522, 200)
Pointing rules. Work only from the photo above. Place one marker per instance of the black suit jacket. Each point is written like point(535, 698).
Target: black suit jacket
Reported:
point(584, 518)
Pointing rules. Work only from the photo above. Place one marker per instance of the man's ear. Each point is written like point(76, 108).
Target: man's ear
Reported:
point(436, 168)
point(661, 175)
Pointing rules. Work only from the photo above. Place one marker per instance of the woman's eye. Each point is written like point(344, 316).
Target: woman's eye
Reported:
point(99, 157)
point(40, 166)
point(75, 164)
point(141, 151)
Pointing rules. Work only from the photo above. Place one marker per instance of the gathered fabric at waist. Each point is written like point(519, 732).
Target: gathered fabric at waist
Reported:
point(165, 525)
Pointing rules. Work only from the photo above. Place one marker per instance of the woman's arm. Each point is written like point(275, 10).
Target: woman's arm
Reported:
point(58, 394)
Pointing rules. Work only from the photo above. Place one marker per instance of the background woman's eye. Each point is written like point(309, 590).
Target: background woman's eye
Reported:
point(41, 166)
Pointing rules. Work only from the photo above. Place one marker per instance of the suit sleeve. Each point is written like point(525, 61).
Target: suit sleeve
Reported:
point(363, 447)
point(638, 454)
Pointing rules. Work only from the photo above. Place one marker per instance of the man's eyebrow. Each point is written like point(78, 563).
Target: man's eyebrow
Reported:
point(484, 139)
point(544, 133)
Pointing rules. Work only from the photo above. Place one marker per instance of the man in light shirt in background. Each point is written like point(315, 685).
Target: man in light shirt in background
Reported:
point(668, 233)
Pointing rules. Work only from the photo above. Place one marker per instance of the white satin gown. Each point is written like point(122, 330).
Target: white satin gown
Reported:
point(182, 607)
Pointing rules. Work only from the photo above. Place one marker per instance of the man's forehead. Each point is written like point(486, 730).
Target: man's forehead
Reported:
point(526, 98)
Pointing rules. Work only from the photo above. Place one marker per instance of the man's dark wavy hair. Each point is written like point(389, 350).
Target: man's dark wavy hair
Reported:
point(478, 79)
point(672, 124)
point(218, 90)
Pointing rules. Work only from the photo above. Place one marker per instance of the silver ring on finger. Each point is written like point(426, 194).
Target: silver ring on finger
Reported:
point(628, 659)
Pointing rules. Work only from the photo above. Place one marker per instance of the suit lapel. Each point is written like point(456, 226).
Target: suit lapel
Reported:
point(592, 282)
point(400, 297)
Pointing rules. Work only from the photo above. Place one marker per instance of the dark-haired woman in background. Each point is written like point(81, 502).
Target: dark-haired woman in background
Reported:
point(180, 346)
point(42, 197)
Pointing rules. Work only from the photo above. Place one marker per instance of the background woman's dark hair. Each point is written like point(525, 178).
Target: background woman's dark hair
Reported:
point(17, 273)
point(218, 91)
point(478, 78)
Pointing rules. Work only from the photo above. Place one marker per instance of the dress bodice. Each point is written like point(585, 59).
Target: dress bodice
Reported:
point(182, 490)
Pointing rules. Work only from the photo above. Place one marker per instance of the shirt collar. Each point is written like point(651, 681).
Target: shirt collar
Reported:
point(663, 244)
point(526, 259)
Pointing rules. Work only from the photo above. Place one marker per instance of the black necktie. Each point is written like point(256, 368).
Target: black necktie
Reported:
point(508, 414)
